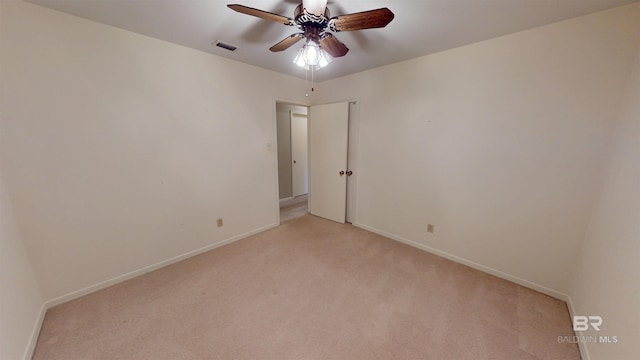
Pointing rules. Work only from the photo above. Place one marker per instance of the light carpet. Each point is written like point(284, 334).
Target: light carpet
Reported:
point(310, 289)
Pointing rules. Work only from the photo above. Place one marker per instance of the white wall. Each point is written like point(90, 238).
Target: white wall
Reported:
point(499, 144)
point(21, 303)
point(605, 281)
point(120, 151)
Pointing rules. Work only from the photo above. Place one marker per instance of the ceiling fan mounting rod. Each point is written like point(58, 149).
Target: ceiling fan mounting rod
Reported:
point(307, 19)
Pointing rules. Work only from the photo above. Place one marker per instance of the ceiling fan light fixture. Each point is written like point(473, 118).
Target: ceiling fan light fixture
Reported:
point(299, 59)
point(325, 59)
point(312, 55)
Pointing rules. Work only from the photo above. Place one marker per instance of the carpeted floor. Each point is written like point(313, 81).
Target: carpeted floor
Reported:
point(310, 289)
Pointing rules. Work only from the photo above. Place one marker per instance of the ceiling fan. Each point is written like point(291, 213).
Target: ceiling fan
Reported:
point(313, 19)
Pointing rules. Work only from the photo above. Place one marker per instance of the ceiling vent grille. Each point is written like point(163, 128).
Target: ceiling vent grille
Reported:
point(225, 46)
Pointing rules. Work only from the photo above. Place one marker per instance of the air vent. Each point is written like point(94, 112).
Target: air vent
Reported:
point(225, 46)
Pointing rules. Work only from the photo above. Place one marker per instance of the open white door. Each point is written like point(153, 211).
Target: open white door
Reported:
point(328, 142)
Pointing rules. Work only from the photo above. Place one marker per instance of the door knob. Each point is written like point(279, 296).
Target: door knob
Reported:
point(349, 173)
point(341, 172)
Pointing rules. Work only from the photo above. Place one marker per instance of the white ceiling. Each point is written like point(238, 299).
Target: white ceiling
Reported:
point(420, 27)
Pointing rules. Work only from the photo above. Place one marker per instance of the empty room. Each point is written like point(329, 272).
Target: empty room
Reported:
point(287, 179)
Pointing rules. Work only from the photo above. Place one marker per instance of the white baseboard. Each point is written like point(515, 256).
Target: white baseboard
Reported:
point(104, 284)
point(28, 354)
point(531, 285)
point(582, 346)
point(118, 279)
point(584, 352)
point(293, 200)
point(35, 333)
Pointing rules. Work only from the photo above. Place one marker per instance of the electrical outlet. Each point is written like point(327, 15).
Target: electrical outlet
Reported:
point(430, 228)
point(220, 223)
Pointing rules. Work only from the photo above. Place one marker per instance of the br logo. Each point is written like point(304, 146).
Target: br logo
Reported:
point(582, 323)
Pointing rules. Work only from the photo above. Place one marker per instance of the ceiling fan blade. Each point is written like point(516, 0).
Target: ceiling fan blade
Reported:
point(315, 7)
point(261, 14)
point(286, 43)
point(333, 46)
point(363, 20)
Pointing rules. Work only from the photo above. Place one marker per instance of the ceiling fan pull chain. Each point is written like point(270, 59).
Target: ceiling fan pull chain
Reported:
point(306, 82)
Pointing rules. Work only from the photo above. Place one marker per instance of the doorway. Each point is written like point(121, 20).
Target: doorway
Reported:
point(293, 169)
point(322, 182)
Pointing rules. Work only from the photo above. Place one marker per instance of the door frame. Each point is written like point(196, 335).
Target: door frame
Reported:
point(353, 155)
point(273, 146)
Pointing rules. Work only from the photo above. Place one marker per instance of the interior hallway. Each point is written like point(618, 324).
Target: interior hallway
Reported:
point(294, 208)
